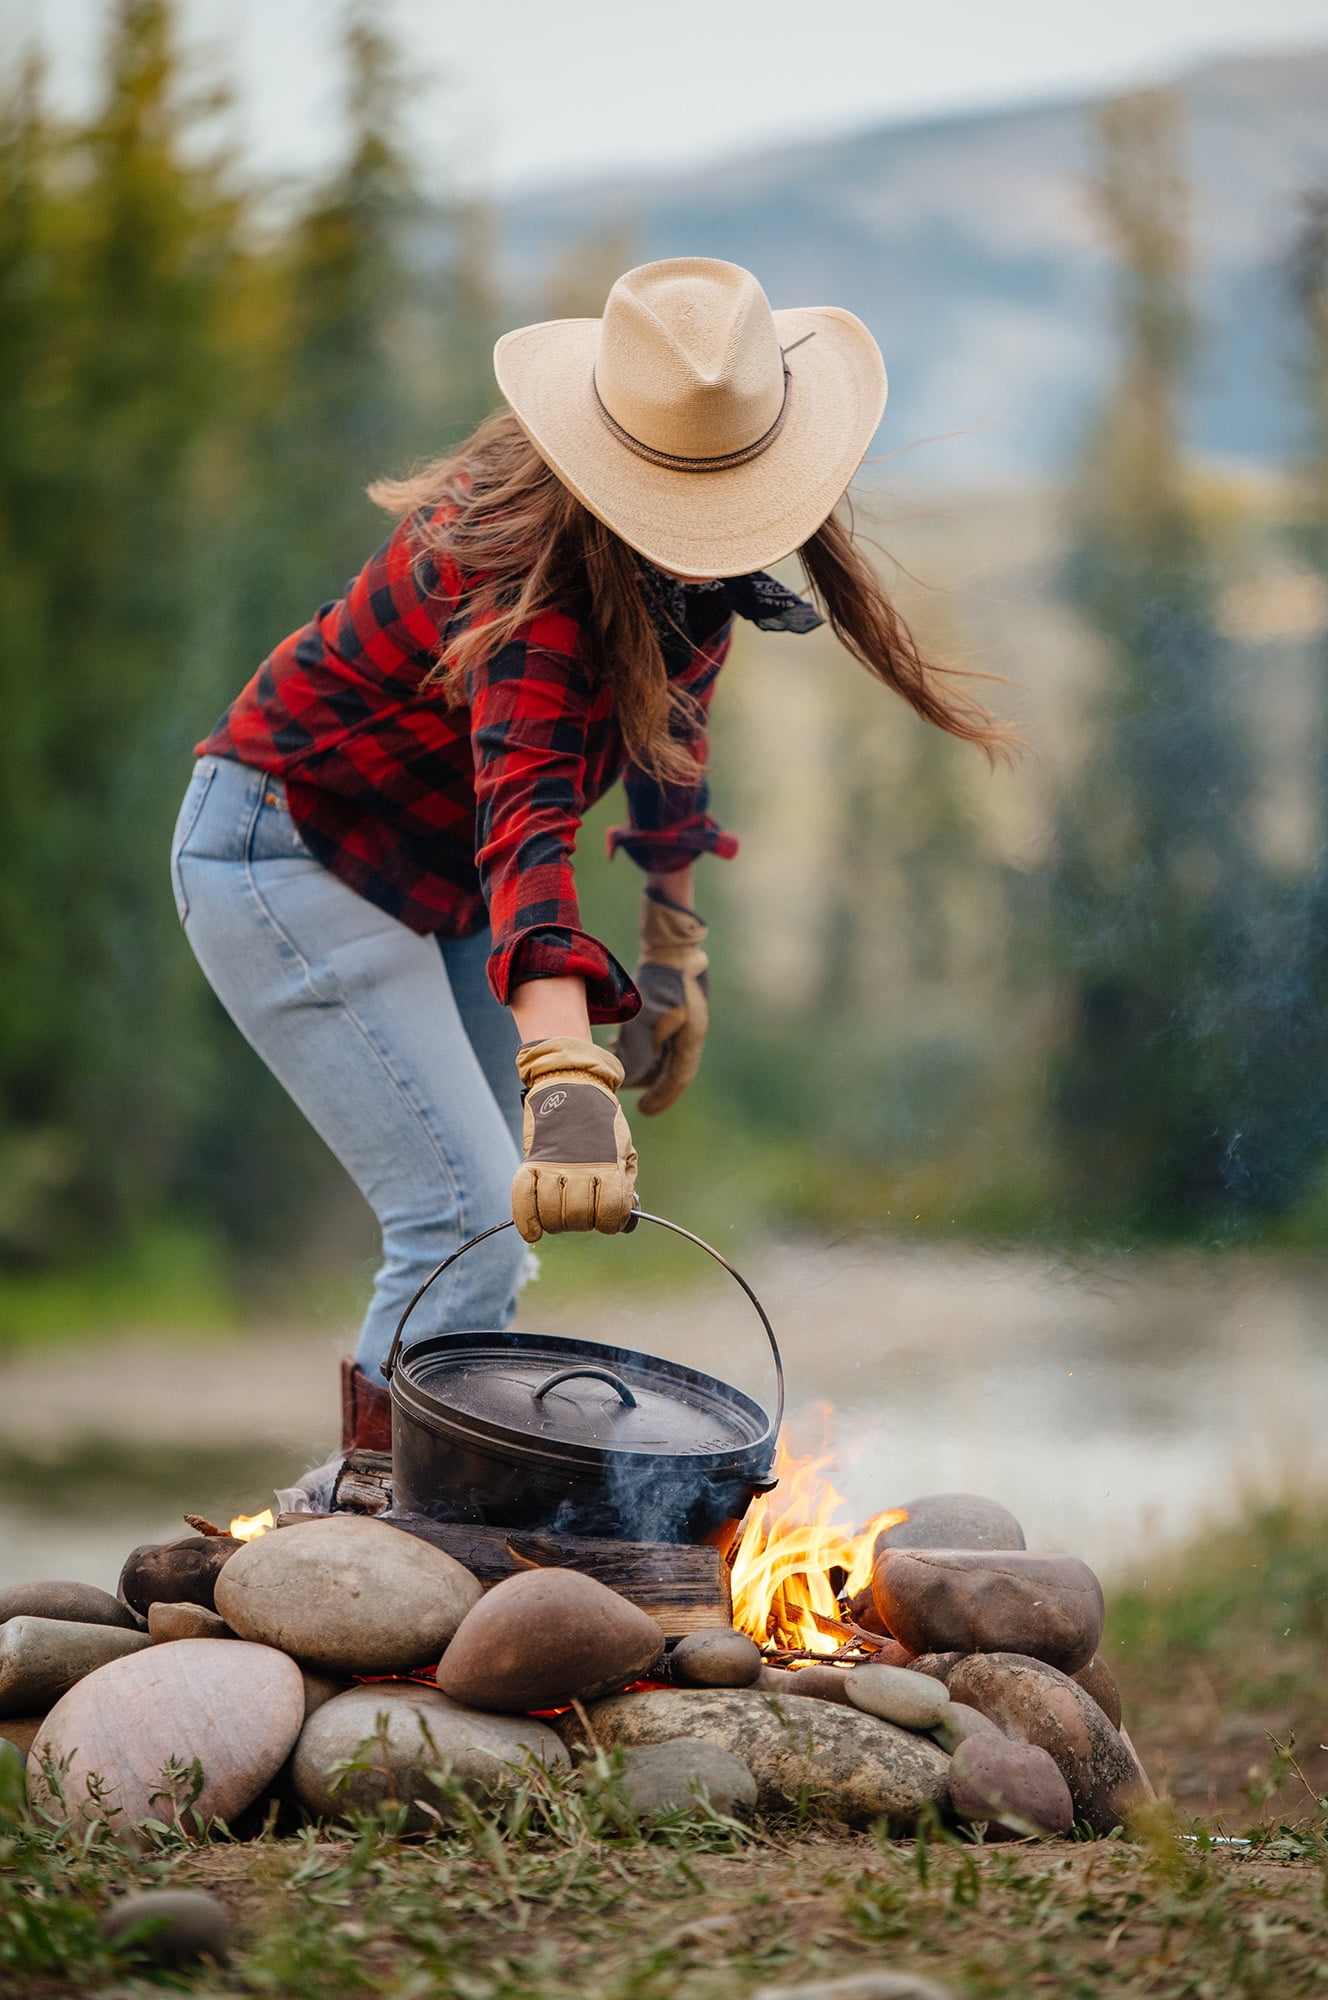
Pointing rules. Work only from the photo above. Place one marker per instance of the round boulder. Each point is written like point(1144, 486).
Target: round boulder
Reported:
point(957, 1722)
point(544, 1638)
point(718, 1658)
point(169, 1927)
point(953, 1521)
point(41, 1658)
point(966, 1600)
point(668, 1777)
point(894, 1694)
point(848, 1767)
point(82, 1603)
point(182, 1572)
point(817, 1682)
point(347, 1594)
point(1032, 1702)
point(405, 1737)
point(237, 1709)
point(1016, 1784)
point(1098, 1680)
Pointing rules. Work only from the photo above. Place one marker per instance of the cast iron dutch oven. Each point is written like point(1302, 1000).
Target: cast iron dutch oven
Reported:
point(523, 1430)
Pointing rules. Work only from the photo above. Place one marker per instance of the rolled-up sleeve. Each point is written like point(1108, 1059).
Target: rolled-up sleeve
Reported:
point(532, 705)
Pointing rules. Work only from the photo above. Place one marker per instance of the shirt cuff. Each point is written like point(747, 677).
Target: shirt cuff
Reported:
point(662, 849)
point(555, 951)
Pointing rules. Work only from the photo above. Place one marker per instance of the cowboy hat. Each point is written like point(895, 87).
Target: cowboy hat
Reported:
point(712, 434)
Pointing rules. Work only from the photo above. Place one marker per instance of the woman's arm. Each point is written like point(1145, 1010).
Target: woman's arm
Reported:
point(543, 1008)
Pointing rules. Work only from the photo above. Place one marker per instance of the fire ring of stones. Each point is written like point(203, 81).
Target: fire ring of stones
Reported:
point(386, 1659)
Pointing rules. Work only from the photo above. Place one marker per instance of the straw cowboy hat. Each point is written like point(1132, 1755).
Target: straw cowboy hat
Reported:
point(711, 433)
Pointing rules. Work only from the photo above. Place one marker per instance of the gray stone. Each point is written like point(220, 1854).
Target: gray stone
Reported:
point(546, 1637)
point(957, 1722)
point(347, 1594)
point(718, 1658)
point(895, 1695)
point(967, 1600)
point(860, 1986)
point(665, 1777)
point(82, 1603)
point(1017, 1785)
point(406, 1732)
point(1098, 1680)
point(820, 1683)
point(320, 1688)
point(185, 1621)
point(40, 1658)
point(237, 1709)
point(954, 1521)
point(846, 1766)
point(1032, 1702)
point(169, 1927)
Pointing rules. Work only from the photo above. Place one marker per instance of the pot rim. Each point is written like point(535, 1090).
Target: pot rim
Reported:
point(752, 1459)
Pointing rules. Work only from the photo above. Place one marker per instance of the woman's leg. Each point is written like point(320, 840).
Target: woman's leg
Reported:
point(356, 1017)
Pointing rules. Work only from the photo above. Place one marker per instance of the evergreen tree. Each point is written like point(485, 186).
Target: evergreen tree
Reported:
point(1154, 882)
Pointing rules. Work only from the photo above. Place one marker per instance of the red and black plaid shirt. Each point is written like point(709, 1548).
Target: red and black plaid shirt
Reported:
point(447, 815)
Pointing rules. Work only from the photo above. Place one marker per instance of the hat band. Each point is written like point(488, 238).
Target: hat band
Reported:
point(673, 461)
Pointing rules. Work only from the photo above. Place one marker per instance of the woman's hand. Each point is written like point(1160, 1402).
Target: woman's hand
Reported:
point(580, 1165)
point(661, 1049)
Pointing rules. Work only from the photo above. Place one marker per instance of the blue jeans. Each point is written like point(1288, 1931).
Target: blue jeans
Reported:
point(391, 1044)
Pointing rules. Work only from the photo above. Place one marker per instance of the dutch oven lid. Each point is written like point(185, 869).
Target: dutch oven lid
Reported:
point(556, 1396)
point(584, 1396)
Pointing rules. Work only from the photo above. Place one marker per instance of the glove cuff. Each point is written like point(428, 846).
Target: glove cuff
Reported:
point(671, 936)
point(570, 1059)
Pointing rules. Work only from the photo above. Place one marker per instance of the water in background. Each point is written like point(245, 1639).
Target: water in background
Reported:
point(1114, 1404)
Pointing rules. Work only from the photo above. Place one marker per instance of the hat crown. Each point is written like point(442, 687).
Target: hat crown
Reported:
point(689, 361)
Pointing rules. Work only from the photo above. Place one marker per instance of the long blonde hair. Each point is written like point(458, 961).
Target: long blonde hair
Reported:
point(529, 546)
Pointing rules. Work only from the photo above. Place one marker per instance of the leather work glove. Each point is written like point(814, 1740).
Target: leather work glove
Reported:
point(660, 1050)
point(580, 1165)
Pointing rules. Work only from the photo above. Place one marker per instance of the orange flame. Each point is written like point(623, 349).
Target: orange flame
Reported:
point(783, 1594)
point(247, 1527)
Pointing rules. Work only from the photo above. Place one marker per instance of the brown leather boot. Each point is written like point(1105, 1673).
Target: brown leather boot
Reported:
point(366, 1410)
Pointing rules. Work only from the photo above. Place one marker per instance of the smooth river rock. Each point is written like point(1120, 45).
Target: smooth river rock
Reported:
point(82, 1603)
point(881, 1985)
point(20, 1731)
point(1018, 1785)
point(182, 1572)
point(954, 1521)
point(1098, 1680)
point(41, 1658)
point(407, 1732)
point(169, 1927)
point(167, 1622)
point(895, 1695)
point(846, 1766)
point(347, 1595)
point(818, 1683)
point(544, 1638)
point(957, 1722)
point(718, 1658)
point(1034, 1703)
point(971, 1601)
point(236, 1708)
point(940, 1666)
point(667, 1777)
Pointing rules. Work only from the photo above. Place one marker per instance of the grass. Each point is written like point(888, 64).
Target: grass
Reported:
point(1222, 1654)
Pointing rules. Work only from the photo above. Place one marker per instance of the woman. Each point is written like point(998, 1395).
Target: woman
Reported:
point(373, 862)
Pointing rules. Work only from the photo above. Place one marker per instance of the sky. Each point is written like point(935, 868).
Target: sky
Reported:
point(520, 93)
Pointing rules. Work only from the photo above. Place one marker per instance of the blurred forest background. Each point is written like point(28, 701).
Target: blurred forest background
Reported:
point(1085, 1001)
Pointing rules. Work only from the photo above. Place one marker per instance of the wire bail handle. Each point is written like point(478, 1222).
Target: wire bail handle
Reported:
point(640, 1216)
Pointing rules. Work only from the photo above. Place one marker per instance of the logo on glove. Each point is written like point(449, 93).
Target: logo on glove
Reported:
point(552, 1101)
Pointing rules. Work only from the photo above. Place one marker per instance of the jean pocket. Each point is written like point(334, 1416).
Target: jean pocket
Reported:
point(190, 807)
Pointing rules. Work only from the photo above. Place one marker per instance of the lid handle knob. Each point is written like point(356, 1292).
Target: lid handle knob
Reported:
point(600, 1375)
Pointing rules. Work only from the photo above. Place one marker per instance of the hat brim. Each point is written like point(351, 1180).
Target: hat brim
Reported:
point(705, 523)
